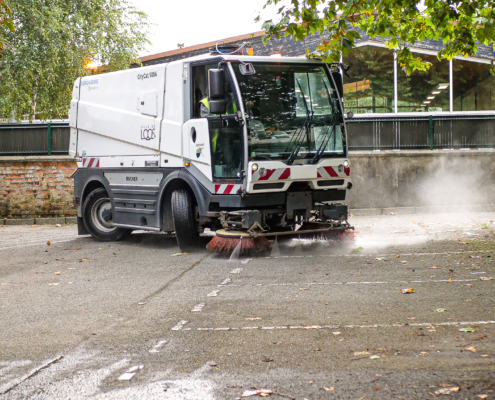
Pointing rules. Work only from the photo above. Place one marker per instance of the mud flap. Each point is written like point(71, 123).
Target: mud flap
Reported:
point(81, 229)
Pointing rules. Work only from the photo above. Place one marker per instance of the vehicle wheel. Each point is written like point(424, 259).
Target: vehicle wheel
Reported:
point(186, 226)
point(97, 217)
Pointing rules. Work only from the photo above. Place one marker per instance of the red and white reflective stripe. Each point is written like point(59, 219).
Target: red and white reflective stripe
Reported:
point(277, 174)
point(227, 189)
point(91, 162)
point(330, 172)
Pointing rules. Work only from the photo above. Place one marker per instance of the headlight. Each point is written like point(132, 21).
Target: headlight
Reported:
point(346, 163)
point(255, 167)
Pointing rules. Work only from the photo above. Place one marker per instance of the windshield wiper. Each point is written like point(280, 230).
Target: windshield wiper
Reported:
point(262, 156)
point(323, 146)
point(305, 128)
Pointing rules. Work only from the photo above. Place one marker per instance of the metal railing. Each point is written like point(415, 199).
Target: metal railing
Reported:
point(50, 138)
point(376, 133)
point(422, 132)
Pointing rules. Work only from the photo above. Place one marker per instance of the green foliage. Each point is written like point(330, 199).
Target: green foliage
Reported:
point(459, 24)
point(53, 42)
point(7, 22)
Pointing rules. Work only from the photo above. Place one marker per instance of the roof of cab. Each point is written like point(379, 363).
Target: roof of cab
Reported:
point(250, 59)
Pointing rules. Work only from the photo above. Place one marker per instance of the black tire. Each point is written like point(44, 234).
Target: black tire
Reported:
point(96, 204)
point(185, 223)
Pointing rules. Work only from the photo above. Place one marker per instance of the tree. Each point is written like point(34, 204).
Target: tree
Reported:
point(53, 43)
point(460, 24)
point(6, 21)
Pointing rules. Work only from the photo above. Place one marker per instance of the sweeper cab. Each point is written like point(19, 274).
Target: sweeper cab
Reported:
point(250, 147)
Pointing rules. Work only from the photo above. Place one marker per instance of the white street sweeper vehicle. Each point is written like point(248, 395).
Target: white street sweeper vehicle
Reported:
point(247, 146)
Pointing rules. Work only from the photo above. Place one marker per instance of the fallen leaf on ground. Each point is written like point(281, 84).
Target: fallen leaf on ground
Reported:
point(435, 267)
point(256, 392)
point(303, 288)
point(267, 359)
point(377, 388)
point(374, 357)
point(485, 355)
point(424, 352)
point(449, 280)
point(412, 318)
point(361, 353)
point(392, 213)
point(440, 310)
point(48, 243)
point(447, 390)
point(56, 273)
point(310, 382)
point(317, 349)
point(405, 291)
point(328, 389)
point(472, 348)
point(463, 242)
point(252, 319)
point(336, 333)
point(486, 278)
point(467, 330)
point(482, 396)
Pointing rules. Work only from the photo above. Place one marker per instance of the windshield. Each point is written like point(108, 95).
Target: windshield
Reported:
point(293, 112)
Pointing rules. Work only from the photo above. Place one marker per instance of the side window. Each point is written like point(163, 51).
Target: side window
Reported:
point(199, 89)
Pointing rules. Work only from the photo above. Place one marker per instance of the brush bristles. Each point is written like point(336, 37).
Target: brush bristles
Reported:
point(248, 246)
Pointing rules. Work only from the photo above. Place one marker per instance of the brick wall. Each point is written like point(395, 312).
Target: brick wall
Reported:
point(33, 187)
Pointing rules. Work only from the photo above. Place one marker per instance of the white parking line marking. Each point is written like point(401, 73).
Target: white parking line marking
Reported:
point(127, 376)
point(180, 325)
point(158, 346)
point(198, 307)
point(213, 293)
point(246, 260)
point(379, 254)
point(236, 271)
point(226, 281)
point(338, 326)
point(357, 283)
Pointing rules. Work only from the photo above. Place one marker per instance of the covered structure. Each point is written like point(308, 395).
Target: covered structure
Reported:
point(452, 105)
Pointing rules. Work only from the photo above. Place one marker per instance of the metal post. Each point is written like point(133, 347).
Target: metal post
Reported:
point(431, 132)
point(49, 138)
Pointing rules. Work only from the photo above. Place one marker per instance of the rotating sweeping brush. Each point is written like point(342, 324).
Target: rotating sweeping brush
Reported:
point(226, 242)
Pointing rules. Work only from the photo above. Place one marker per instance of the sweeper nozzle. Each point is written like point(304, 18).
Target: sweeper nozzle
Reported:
point(226, 242)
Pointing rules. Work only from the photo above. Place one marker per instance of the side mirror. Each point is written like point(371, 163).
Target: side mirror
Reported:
point(337, 77)
point(218, 107)
point(216, 85)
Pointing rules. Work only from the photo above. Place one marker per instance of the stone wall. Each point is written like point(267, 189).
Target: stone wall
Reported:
point(34, 187)
point(39, 187)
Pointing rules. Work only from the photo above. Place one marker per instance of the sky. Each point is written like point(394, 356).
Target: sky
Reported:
point(199, 21)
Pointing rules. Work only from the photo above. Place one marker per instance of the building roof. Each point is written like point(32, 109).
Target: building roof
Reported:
point(287, 46)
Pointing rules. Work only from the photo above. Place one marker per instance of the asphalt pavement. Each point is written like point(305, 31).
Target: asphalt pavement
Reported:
point(81, 319)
